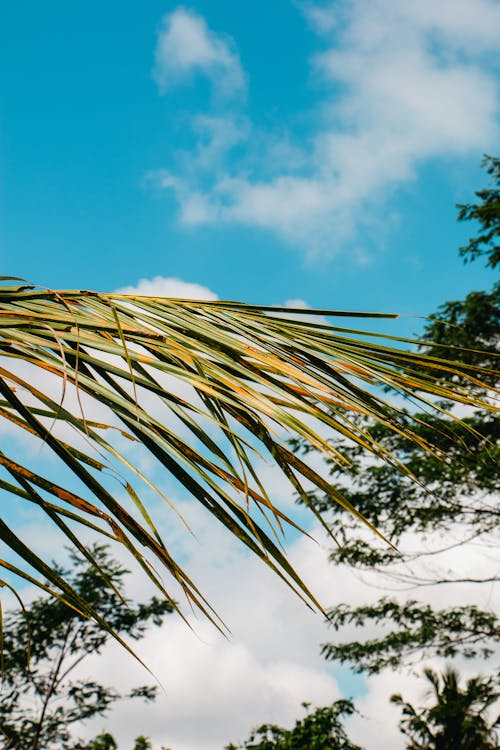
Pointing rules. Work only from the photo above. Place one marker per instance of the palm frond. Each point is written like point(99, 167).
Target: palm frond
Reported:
point(205, 388)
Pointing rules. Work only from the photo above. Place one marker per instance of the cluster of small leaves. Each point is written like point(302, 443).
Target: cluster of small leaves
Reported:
point(458, 718)
point(487, 213)
point(40, 699)
point(106, 741)
point(321, 729)
point(415, 626)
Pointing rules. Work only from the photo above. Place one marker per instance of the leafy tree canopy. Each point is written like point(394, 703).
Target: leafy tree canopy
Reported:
point(41, 698)
point(412, 628)
point(106, 741)
point(457, 720)
point(321, 729)
point(487, 213)
point(467, 331)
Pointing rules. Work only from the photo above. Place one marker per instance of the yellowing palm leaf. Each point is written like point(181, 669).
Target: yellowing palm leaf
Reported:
point(201, 386)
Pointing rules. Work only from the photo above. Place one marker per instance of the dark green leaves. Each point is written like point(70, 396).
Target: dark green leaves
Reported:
point(487, 213)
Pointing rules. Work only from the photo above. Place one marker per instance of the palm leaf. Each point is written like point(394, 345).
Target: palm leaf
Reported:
point(205, 388)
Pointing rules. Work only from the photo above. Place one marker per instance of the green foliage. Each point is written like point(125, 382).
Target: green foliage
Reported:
point(457, 720)
point(467, 331)
point(487, 213)
point(142, 743)
point(104, 741)
point(320, 730)
point(415, 627)
point(41, 699)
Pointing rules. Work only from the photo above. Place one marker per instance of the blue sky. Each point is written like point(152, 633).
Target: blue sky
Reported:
point(267, 152)
point(87, 133)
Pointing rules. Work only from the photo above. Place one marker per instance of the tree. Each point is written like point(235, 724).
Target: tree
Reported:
point(456, 490)
point(142, 743)
point(457, 720)
point(200, 386)
point(41, 697)
point(104, 741)
point(321, 729)
point(487, 213)
point(467, 331)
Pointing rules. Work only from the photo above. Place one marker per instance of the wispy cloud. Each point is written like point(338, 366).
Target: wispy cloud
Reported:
point(400, 85)
point(187, 47)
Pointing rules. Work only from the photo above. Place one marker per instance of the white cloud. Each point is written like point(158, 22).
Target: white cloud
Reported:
point(165, 286)
point(376, 726)
point(186, 46)
point(218, 689)
point(301, 304)
point(402, 84)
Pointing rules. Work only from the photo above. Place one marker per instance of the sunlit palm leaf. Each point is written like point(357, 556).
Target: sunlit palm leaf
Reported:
point(248, 378)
